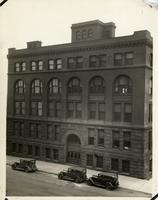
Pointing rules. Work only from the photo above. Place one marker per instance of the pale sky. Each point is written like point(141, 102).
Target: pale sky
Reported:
point(50, 20)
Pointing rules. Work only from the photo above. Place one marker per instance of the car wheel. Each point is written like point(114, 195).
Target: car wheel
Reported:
point(60, 176)
point(109, 186)
point(89, 183)
point(77, 180)
point(26, 170)
point(13, 166)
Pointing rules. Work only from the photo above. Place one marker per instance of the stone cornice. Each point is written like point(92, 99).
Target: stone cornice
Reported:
point(70, 48)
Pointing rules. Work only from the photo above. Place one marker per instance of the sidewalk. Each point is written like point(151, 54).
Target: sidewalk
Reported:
point(125, 181)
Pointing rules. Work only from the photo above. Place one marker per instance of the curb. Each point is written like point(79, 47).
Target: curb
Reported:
point(47, 172)
point(43, 171)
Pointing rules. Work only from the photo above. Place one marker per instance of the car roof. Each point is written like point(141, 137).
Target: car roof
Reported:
point(107, 174)
point(27, 160)
point(77, 168)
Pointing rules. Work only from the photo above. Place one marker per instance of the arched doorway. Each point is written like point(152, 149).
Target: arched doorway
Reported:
point(73, 149)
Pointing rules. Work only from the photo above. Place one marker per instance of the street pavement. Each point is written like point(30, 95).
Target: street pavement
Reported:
point(125, 181)
point(19, 183)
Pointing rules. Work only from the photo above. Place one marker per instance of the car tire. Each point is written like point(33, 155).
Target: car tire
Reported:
point(60, 176)
point(89, 183)
point(14, 167)
point(26, 170)
point(109, 186)
point(77, 180)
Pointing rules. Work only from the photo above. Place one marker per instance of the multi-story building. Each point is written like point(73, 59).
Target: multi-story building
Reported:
point(88, 102)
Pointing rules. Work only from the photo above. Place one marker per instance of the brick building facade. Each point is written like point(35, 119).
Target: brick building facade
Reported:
point(88, 102)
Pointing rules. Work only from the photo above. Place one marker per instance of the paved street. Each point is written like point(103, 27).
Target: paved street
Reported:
point(44, 184)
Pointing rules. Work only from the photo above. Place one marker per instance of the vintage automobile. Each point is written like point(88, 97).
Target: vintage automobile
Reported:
point(106, 180)
point(76, 174)
point(25, 165)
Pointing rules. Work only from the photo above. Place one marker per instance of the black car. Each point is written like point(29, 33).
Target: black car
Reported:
point(106, 180)
point(75, 174)
point(25, 165)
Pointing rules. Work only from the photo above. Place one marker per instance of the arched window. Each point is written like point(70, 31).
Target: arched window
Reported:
point(37, 87)
point(74, 86)
point(97, 85)
point(20, 87)
point(54, 86)
point(123, 85)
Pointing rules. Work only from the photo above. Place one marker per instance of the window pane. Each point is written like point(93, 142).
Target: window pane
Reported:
point(23, 65)
point(99, 161)
point(40, 65)
point(59, 63)
point(89, 160)
point(127, 140)
point(126, 166)
point(33, 65)
point(116, 139)
point(114, 164)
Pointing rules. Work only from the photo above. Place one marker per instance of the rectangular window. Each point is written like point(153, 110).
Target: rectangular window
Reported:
point(89, 160)
point(91, 136)
point(92, 110)
point(71, 62)
point(21, 129)
point(150, 113)
point(29, 149)
point(57, 132)
point(49, 132)
point(23, 108)
point(39, 108)
point(33, 108)
point(40, 65)
point(18, 129)
point(118, 59)
point(93, 61)
point(37, 151)
point(127, 140)
point(114, 164)
point(59, 63)
point(38, 130)
point(102, 61)
point(35, 130)
point(55, 154)
point(58, 109)
point(129, 58)
point(70, 109)
point(99, 161)
point(20, 108)
point(101, 111)
point(13, 147)
point(150, 165)
point(126, 166)
point(32, 130)
point(36, 108)
point(17, 67)
point(51, 64)
point(78, 110)
point(20, 148)
point(115, 139)
point(48, 153)
point(100, 137)
point(150, 140)
point(117, 112)
point(127, 112)
point(79, 62)
point(51, 109)
point(33, 66)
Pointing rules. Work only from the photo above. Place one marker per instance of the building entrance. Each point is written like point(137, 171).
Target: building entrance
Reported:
point(73, 149)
